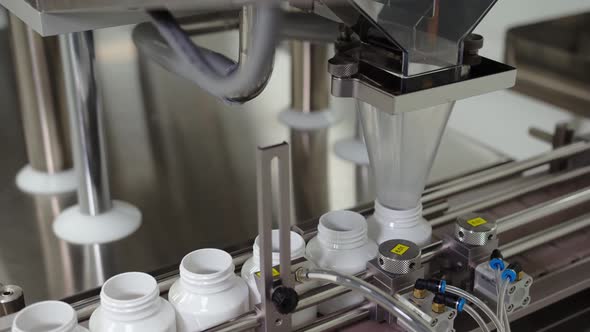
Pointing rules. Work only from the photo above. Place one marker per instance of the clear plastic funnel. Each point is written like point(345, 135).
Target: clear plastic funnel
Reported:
point(401, 149)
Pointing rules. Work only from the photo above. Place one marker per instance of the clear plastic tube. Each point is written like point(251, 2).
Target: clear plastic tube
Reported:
point(389, 303)
point(476, 317)
point(478, 303)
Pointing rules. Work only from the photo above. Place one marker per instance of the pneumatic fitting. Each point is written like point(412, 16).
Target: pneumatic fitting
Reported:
point(441, 301)
point(512, 272)
point(497, 260)
point(432, 285)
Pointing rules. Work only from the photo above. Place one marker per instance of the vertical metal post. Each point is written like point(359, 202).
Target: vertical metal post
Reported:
point(42, 98)
point(309, 77)
point(309, 93)
point(273, 320)
point(86, 117)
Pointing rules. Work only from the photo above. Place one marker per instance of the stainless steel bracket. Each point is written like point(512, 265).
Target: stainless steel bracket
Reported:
point(393, 94)
point(273, 320)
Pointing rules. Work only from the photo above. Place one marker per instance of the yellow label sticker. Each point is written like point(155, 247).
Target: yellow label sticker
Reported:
point(400, 249)
point(275, 273)
point(477, 221)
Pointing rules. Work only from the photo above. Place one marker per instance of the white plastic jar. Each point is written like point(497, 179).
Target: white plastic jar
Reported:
point(47, 316)
point(252, 265)
point(387, 224)
point(342, 245)
point(208, 292)
point(131, 302)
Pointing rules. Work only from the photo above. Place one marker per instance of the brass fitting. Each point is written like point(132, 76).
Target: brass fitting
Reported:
point(419, 293)
point(439, 308)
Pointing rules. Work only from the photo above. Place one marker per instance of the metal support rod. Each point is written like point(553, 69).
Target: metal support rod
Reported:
point(340, 319)
point(273, 320)
point(309, 93)
point(542, 210)
point(245, 322)
point(309, 77)
point(507, 194)
point(547, 235)
point(504, 171)
point(42, 100)
point(88, 134)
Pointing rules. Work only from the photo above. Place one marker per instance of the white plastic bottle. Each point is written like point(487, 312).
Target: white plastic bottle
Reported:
point(54, 316)
point(387, 224)
point(208, 292)
point(342, 245)
point(131, 302)
point(252, 265)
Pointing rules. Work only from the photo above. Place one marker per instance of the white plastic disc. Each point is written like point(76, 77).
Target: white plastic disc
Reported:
point(308, 121)
point(75, 227)
point(353, 150)
point(35, 182)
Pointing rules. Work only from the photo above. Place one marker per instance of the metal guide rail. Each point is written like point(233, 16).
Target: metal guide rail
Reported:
point(549, 288)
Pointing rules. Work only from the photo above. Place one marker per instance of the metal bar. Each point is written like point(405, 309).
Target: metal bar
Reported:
point(245, 322)
point(542, 210)
point(510, 193)
point(340, 319)
point(42, 101)
point(430, 251)
point(273, 320)
point(498, 173)
point(87, 126)
point(536, 239)
point(309, 78)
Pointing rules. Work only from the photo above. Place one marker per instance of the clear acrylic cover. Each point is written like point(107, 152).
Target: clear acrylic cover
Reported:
point(401, 149)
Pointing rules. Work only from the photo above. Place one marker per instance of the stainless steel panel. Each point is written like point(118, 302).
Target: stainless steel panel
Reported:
point(185, 159)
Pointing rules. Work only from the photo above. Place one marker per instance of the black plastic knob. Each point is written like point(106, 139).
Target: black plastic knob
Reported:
point(285, 299)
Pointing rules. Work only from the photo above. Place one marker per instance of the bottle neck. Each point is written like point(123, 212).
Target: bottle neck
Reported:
point(207, 271)
point(130, 296)
point(297, 248)
point(37, 317)
point(398, 218)
point(342, 230)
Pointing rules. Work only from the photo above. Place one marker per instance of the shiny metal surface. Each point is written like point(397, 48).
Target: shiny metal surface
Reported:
point(309, 77)
point(475, 229)
point(42, 98)
point(94, 196)
point(185, 159)
point(311, 195)
point(552, 60)
point(399, 256)
point(340, 319)
point(266, 158)
point(536, 239)
point(12, 299)
point(542, 210)
point(393, 99)
point(509, 193)
point(504, 171)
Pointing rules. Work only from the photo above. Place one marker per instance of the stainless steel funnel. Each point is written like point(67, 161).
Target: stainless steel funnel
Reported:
point(402, 148)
